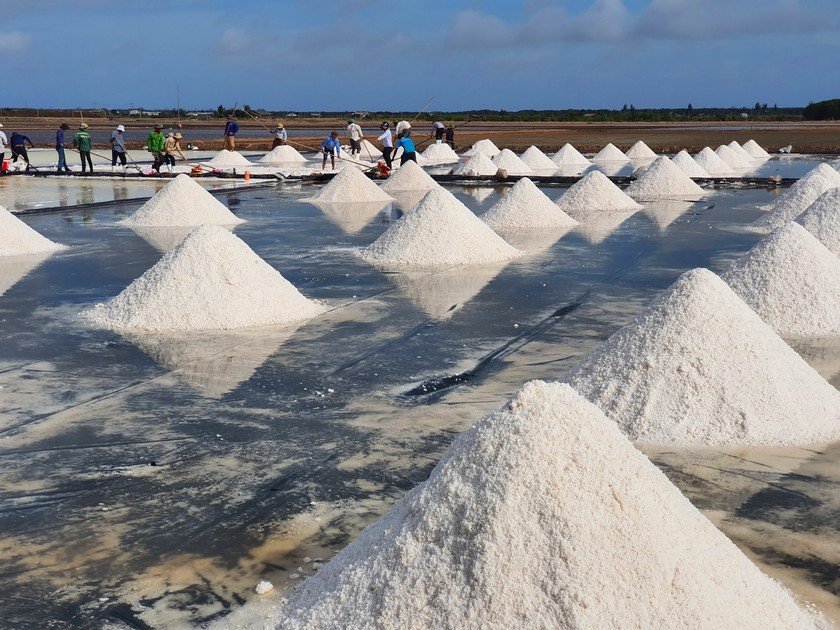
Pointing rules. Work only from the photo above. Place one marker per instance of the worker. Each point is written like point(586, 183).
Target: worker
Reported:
point(118, 147)
point(438, 129)
point(3, 142)
point(387, 140)
point(83, 143)
point(280, 136)
point(330, 146)
point(356, 135)
point(18, 143)
point(154, 145)
point(59, 147)
point(169, 144)
point(177, 147)
point(231, 129)
point(450, 136)
point(405, 142)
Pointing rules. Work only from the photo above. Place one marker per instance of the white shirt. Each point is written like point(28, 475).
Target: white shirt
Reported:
point(387, 139)
point(355, 131)
point(3, 141)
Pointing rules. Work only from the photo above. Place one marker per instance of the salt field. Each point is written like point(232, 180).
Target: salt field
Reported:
point(169, 454)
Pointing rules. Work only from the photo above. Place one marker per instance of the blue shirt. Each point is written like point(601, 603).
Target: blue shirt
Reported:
point(231, 128)
point(331, 145)
point(117, 142)
point(59, 138)
point(407, 144)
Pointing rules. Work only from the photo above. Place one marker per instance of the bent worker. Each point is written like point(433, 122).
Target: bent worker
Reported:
point(280, 136)
point(231, 129)
point(18, 143)
point(169, 144)
point(450, 136)
point(387, 140)
point(177, 147)
point(438, 129)
point(118, 147)
point(83, 143)
point(59, 148)
point(330, 147)
point(356, 135)
point(154, 145)
point(405, 142)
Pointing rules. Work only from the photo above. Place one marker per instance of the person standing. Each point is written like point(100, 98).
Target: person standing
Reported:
point(387, 140)
point(356, 135)
point(330, 147)
point(3, 142)
point(450, 136)
point(405, 142)
point(437, 129)
point(118, 147)
point(177, 147)
point(18, 143)
point(83, 144)
point(231, 129)
point(280, 136)
point(154, 145)
point(59, 148)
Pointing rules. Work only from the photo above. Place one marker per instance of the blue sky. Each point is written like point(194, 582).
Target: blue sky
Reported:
point(395, 54)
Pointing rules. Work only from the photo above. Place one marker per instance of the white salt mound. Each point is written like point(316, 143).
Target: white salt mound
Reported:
point(410, 177)
point(698, 367)
point(748, 159)
point(792, 281)
point(478, 165)
point(610, 153)
point(370, 151)
point(509, 161)
point(350, 185)
point(18, 239)
point(664, 180)
point(822, 219)
point(595, 192)
point(712, 163)
point(733, 159)
point(541, 515)
point(228, 159)
point(641, 151)
point(796, 199)
point(688, 165)
point(183, 202)
point(282, 155)
point(526, 206)
point(439, 231)
point(486, 147)
point(211, 281)
point(754, 149)
point(440, 154)
point(537, 160)
point(569, 156)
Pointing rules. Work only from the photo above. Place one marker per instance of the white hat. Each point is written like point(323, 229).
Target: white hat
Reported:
point(402, 126)
point(1, 125)
point(120, 128)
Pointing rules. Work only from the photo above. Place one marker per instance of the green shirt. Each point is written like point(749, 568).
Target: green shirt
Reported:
point(154, 143)
point(82, 141)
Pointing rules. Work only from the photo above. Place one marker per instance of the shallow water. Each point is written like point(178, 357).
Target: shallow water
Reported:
point(273, 446)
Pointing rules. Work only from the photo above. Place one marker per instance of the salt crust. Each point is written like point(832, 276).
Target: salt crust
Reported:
point(792, 281)
point(440, 154)
point(796, 199)
point(486, 147)
point(688, 165)
point(18, 239)
point(526, 206)
point(509, 161)
point(350, 185)
point(569, 156)
point(478, 165)
point(714, 166)
point(283, 154)
point(595, 192)
point(211, 281)
point(663, 180)
point(410, 177)
point(537, 160)
point(228, 159)
point(754, 149)
point(610, 153)
point(641, 151)
point(733, 159)
point(439, 231)
point(183, 202)
point(541, 515)
point(748, 159)
point(698, 367)
point(822, 219)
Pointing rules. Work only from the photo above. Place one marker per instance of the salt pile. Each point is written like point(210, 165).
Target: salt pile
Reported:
point(610, 153)
point(281, 155)
point(698, 367)
point(792, 281)
point(664, 180)
point(18, 239)
point(439, 231)
point(370, 150)
point(733, 159)
point(748, 159)
point(440, 154)
point(541, 515)
point(796, 199)
point(569, 156)
point(410, 177)
point(350, 185)
point(478, 165)
point(822, 219)
point(754, 149)
point(526, 206)
point(486, 147)
point(183, 202)
point(688, 165)
point(537, 160)
point(509, 161)
point(211, 281)
point(597, 193)
point(712, 163)
point(641, 151)
point(228, 159)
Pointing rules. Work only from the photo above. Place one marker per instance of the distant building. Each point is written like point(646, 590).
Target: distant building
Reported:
point(143, 112)
point(315, 115)
point(201, 114)
point(291, 115)
point(361, 115)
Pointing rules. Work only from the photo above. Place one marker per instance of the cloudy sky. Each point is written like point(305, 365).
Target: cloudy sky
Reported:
point(395, 54)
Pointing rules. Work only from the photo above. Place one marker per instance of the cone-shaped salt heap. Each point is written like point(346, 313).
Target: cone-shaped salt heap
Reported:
point(641, 151)
point(350, 185)
point(569, 156)
point(228, 159)
point(714, 166)
point(610, 153)
point(18, 239)
point(439, 231)
point(698, 367)
point(283, 154)
point(595, 192)
point(688, 165)
point(478, 165)
point(183, 202)
point(664, 180)
point(822, 219)
point(211, 281)
point(486, 147)
point(733, 159)
point(370, 151)
point(754, 149)
point(537, 160)
point(748, 159)
point(525, 206)
point(792, 281)
point(440, 154)
point(541, 515)
point(509, 161)
point(410, 176)
point(796, 199)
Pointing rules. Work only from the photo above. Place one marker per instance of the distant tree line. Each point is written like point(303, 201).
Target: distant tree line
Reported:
point(823, 110)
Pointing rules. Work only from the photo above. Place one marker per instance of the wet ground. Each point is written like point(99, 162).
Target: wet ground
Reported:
point(152, 481)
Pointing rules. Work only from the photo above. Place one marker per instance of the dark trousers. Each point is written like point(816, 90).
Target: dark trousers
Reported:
point(158, 160)
point(2, 157)
point(169, 159)
point(62, 159)
point(439, 133)
point(20, 150)
point(115, 156)
point(408, 157)
point(85, 155)
point(386, 155)
point(277, 142)
point(355, 146)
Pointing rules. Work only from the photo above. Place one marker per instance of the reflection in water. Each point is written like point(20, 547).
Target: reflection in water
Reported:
point(664, 212)
point(533, 240)
point(14, 268)
point(85, 194)
point(407, 199)
point(596, 225)
point(480, 193)
point(351, 218)
point(821, 354)
point(615, 169)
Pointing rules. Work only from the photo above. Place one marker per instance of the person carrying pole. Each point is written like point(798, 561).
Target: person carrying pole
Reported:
point(387, 140)
point(154, 145)
point(18, 143)
point(437, 129)
point(169, 145)
point(59, 147)
point(405, 142)
point(330, 147)
point(118, 147)
point(280, 136)
point(231, 129)
point(83, 144)
point(356, 135)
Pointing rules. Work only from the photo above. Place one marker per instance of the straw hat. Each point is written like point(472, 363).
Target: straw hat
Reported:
point(178, 136)
point(83, 126)
point(1, 125)
point(279, 125)
point(158, 126)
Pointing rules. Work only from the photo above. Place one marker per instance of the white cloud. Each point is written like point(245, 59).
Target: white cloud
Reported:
point(14, 43)
point(235, 41)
